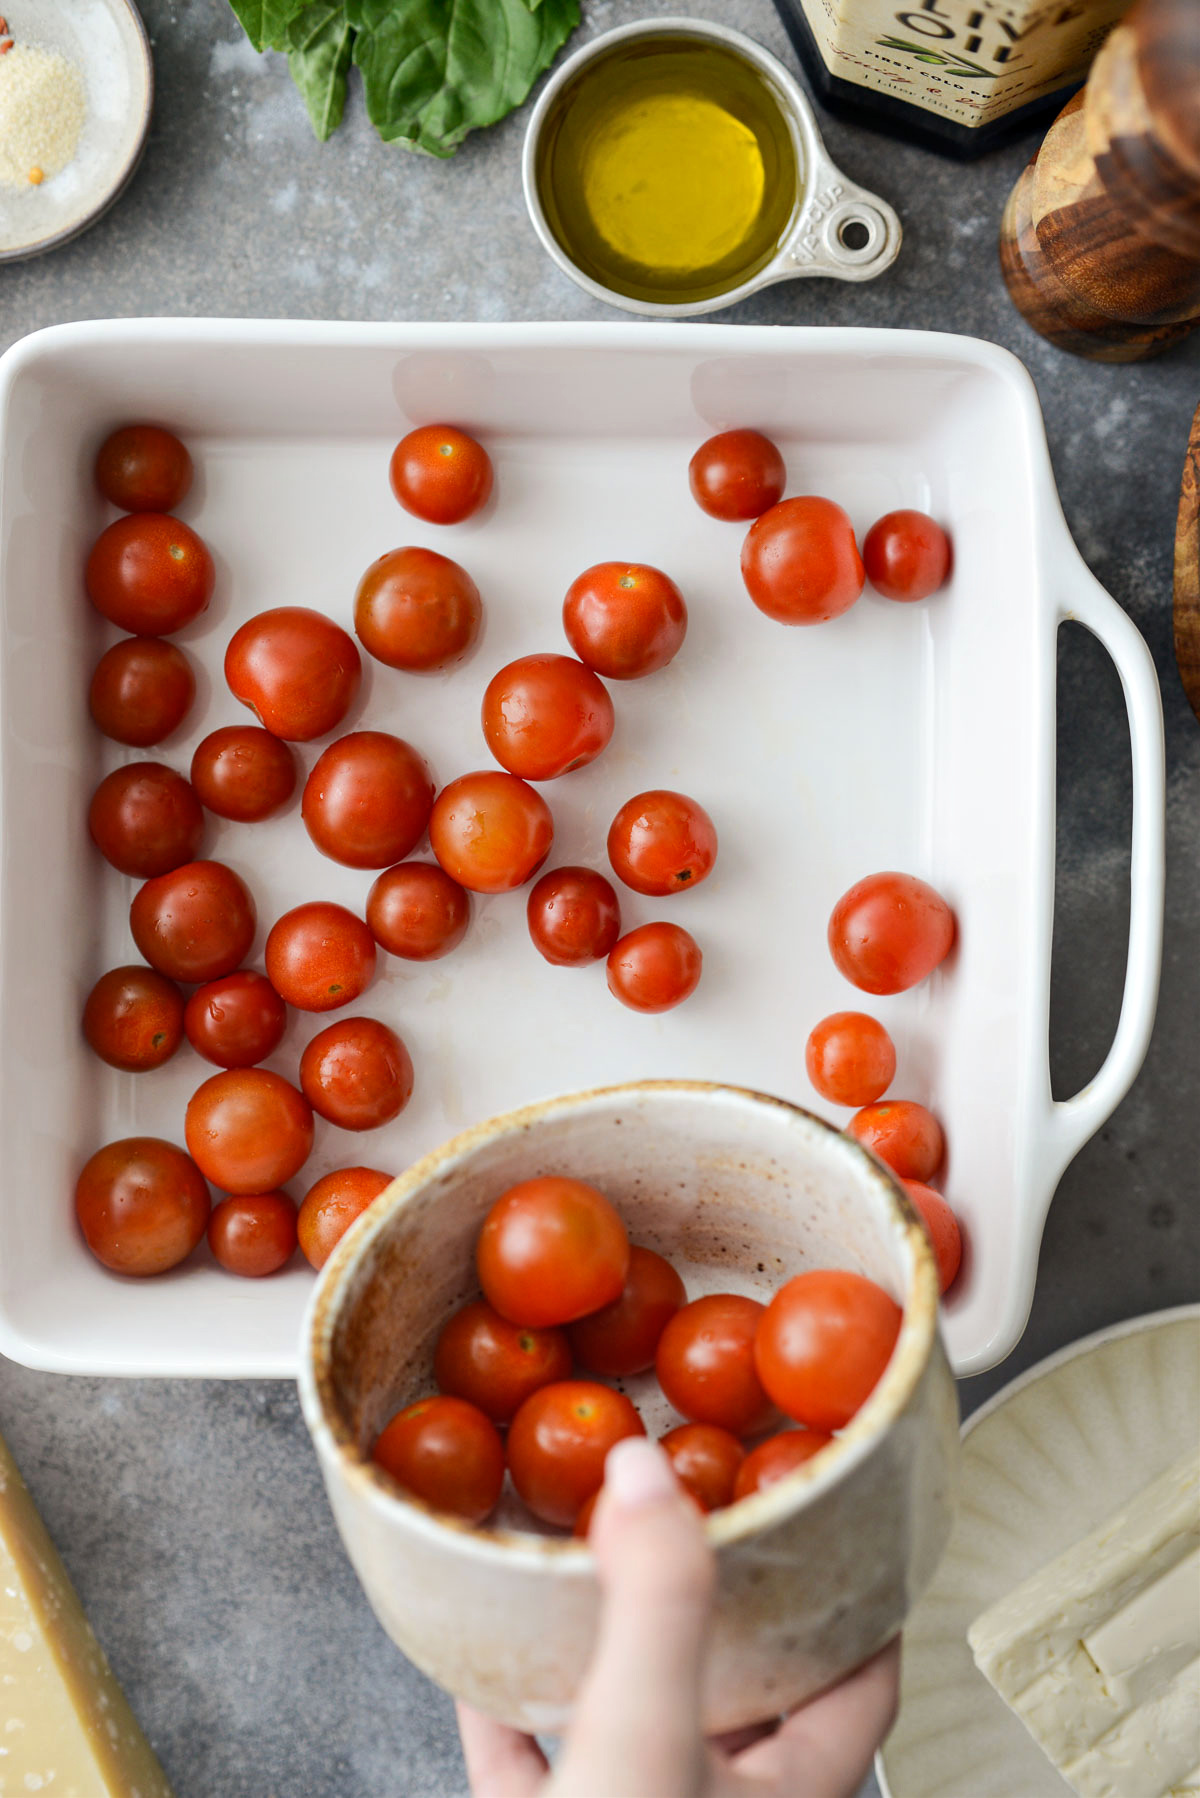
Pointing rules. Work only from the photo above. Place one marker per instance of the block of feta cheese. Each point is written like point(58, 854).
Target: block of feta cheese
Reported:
point(1098, 1652)
point(66, 1728)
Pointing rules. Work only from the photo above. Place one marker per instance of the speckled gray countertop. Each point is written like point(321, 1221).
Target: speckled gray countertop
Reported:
point(191, 1514)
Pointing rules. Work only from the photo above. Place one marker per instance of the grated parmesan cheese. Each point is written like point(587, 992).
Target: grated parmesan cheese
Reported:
point(42, 109)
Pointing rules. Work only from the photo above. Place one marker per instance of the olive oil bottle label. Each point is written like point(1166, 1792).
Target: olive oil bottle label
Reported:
point(971, 61)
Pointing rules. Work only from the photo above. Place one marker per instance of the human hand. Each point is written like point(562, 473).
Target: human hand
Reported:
point(635, 1731)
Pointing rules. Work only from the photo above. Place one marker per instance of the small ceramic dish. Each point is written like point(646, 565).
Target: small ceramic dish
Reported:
point(741, 1191)
point(106, 43)
point(1044, 1462)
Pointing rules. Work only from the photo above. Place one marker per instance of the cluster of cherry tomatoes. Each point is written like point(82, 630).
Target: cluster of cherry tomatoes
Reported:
point(564, 1290)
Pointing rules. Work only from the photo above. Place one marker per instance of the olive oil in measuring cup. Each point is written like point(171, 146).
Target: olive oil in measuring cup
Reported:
point(667, 170)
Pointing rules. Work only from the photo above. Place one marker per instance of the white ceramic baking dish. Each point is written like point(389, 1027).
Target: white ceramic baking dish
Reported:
point(915, 737)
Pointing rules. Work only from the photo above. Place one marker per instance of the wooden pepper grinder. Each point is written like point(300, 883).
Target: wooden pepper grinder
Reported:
point(1100, 242)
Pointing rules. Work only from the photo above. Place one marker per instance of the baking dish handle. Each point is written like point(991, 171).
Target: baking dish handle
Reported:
point(1072, 1121)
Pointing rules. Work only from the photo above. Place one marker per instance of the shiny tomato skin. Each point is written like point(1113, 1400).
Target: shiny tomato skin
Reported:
point(417, 611)
point(332, 1204)
point(906, 555)
point(551, 1250)
point(775, 1458)
point(142, 689)
point(822, 1345)
point(253, 1234)
point(495, 1365)
point(297, 670)
point(357, 1074)
point(850, 1058)
point(889, 932)
point(705, 1364)
point(319, 956)
point(142, 1205)
point(546, 715)
point(142, 468)
point(368, 799)
point(236, 1021)
point(800, 562)
point(661, 842)
point(903, 1134)
point(149, 574)
point(706, 1460)
point(441, 474)
point(942, 1228)
point(248, 1130)
point(244, 773)
point(621, 1338)
point(416, 911)
point(624, 619)
point(737, 475)
point(446, 1453)
point(133, 1019)
point(558, 1442)
point(655, 967)
point(490, 831)
point(574, 917)
point(195, 923)
point(145, 819)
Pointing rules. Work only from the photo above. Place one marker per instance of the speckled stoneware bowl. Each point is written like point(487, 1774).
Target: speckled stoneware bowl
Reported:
point(741, 1191)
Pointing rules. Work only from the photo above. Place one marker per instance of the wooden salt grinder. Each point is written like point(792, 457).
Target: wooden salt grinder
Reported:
point(1100, 242)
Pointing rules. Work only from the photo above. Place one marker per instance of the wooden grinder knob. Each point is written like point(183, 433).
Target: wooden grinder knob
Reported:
point(1100, 242)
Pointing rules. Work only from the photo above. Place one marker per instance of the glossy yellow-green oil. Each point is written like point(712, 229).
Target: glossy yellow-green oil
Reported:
point(667, 171)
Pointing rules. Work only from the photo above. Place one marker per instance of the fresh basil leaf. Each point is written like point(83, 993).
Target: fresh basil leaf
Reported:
point(433, 70)
point(266, 22)
point(319, 56)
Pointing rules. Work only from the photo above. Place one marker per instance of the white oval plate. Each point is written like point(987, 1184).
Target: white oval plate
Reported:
point(1044, 1461)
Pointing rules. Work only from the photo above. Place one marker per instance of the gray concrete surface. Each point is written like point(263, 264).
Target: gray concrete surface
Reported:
point(191, 1515)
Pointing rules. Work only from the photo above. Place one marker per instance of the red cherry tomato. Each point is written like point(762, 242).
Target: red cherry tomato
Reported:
point(850, 1058)
point(244, 773)
point(319, 956)
point(661, 842)
point(903, 1134)
point(483, 1358)
point(587, 1510)
point(357, 1073)
point(149, 574)
point(142, 468)
point(550, 1251)
point(418, 912)
point(705, 1364)
point(195, 923)
point(775, 1458)
point(446, 1453)
point(417, 610)
point(297, 670)
point(624, 619)
point(706, 1460)
point(236, 1021)
point(145, 819)
point(491, 832)
point(332, 1205)
point(737, 475)
point(558, 1442)
point(141, 691)
point(822, 1345)
point(253, 1234)
point(441, 474)
point(133, 1019)
point(367, 801)
point(573, 916)
point(943, 1230)
point(546, 715)
point(906, 555)
point(621, 1338)
point(142, 1205)
point(800, 562)
point(655, 967)
point(889, 932)
point(248, 1130)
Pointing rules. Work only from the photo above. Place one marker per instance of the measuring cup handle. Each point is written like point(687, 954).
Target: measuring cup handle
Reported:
point(843, 229)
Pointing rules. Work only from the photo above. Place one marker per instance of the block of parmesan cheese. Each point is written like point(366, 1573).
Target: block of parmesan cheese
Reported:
point(65, 1726)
